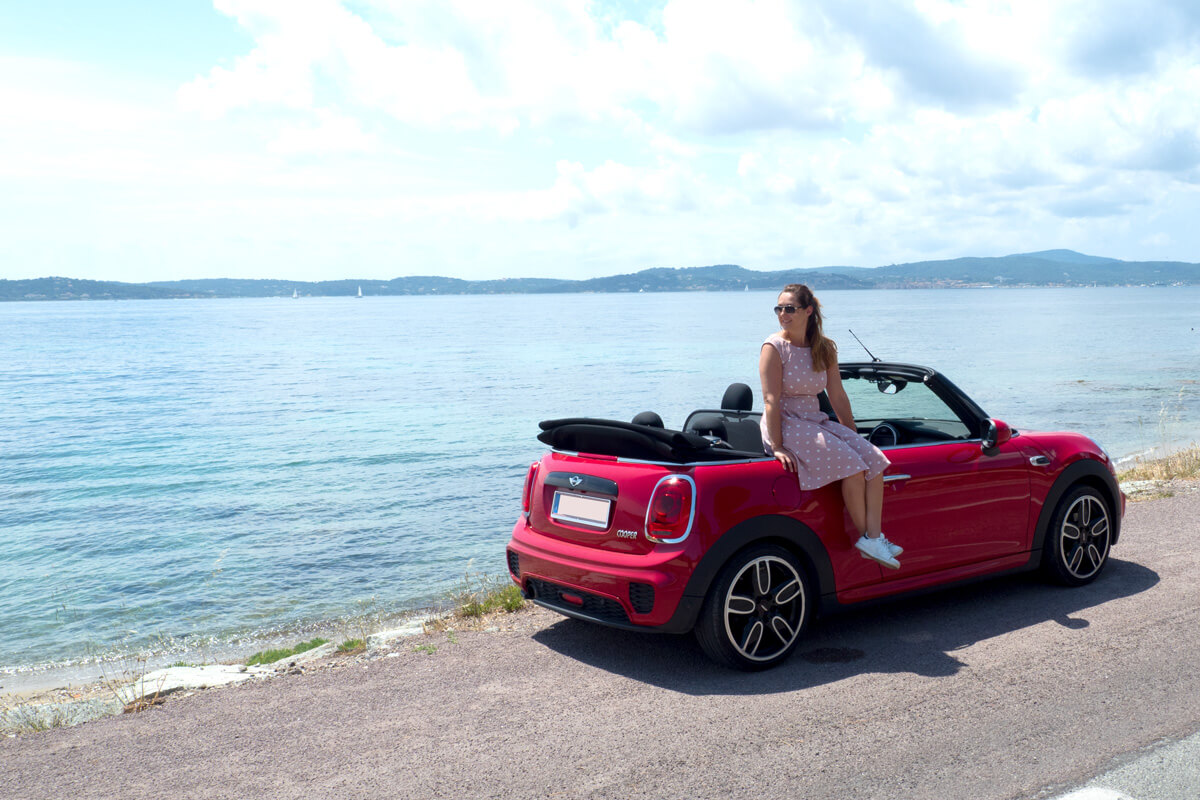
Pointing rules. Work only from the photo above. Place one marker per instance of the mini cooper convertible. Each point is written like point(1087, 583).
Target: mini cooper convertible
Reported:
point(638, 526)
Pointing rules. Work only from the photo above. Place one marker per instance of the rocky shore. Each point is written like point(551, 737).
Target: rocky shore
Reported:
point(129, 691)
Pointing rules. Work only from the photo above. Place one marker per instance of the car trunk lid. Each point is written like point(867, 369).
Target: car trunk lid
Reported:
point(596, 501)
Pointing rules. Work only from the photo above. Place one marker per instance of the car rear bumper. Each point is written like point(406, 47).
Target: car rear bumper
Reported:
point(632, 591)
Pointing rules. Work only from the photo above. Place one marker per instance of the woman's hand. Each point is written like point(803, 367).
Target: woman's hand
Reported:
point(784, 457)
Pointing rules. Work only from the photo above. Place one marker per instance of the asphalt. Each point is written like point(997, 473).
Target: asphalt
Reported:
point(1005, 689)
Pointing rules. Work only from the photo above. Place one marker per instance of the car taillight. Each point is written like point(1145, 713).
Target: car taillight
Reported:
point(527, 495)
point(672, 509)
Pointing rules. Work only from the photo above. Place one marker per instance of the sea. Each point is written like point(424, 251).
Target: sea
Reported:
point(185, 479)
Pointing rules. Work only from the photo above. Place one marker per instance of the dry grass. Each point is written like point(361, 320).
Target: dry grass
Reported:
point(29, 718)
point(482, 594)
point(1180, 465)
point(478, 602)
point(36, 711)
point(143, 703)
point(129, 686)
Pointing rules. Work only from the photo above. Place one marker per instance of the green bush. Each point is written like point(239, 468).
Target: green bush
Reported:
point(271, 656)
point(482, 594)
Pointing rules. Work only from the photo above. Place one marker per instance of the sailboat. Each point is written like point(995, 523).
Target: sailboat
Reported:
point(295, 294)
point(360, 291)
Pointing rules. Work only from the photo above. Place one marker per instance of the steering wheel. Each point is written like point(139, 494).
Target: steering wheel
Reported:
point(884, 435)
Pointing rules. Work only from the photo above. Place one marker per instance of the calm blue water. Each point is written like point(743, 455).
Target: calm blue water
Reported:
point(179, 474)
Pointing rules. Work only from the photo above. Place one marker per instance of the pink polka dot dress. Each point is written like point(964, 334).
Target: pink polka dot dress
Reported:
point(825, 451)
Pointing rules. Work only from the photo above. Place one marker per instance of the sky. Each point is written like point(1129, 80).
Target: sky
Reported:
point(327, 139)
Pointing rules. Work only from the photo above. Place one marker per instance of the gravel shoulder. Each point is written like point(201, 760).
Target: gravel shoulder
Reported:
point(1005, 689)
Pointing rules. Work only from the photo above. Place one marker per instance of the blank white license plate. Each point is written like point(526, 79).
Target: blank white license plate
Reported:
point(580, 510)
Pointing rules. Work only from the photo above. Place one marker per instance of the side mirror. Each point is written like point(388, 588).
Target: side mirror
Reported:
point(995, 433)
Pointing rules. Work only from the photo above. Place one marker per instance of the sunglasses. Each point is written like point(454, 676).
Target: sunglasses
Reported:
point(788, 309)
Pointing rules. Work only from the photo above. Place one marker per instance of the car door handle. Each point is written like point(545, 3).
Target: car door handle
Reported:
point(899, 477)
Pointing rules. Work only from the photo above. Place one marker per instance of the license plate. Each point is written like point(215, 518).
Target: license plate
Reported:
point(579, 510)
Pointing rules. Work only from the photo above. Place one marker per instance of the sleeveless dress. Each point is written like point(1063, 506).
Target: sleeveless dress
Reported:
point(825, 451)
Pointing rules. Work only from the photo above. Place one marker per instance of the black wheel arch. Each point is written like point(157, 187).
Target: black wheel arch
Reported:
point(1085, 472)
point(795, 536)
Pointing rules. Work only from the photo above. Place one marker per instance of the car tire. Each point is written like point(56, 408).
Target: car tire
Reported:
point(756, 610)
point(1079, 537)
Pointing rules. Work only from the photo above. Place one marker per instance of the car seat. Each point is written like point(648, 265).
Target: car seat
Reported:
point(734, 423)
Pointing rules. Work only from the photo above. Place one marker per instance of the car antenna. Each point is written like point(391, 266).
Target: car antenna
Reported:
point(864, 347)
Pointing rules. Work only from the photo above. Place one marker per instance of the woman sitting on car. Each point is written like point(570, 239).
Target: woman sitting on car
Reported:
point(795, 365)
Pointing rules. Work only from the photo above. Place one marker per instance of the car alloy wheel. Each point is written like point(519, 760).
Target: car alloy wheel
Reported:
point(1081, 536)
point(757, 609)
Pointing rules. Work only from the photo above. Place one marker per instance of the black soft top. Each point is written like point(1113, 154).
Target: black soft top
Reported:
point(630, 440)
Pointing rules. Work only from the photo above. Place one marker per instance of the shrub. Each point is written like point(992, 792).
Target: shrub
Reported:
point(271, 656)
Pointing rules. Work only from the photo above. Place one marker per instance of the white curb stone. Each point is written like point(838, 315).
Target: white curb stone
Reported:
point(414, 627)
point(307, 655)
point(165, 681)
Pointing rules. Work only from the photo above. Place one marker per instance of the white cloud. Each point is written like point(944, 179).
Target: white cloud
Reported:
point(457, 64)
point(330, 134)
point(50, 94)
point(924, 54)
point(289, 40)
point(718, 67)
point(619, 188)
point(540, 133)
point(1120, 38)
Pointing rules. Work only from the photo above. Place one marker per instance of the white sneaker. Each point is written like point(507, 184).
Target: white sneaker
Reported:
point(876, 550)
point(892, 546)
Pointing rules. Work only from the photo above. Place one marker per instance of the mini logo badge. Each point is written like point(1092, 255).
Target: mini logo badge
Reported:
point(575, 481)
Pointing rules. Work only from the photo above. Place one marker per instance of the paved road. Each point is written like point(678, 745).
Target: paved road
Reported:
point(1008, 689)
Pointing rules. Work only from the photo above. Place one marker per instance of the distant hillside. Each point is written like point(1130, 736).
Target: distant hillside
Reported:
point(1071, 257)
point(77, 289)
point(1045, 268)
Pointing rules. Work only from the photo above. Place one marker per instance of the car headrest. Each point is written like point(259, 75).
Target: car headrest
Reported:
point(738, 397)
point(708, 425)
point(649, 418)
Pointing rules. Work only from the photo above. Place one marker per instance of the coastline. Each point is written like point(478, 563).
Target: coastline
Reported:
point(1044, 269)
point(56, 697)
point(58, 703)
point(39, 678)
point(1163, 471)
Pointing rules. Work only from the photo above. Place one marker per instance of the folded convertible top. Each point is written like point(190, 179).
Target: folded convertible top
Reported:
point(629, 440)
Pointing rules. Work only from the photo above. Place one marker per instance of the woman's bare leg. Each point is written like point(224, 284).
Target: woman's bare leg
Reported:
point(864, 501)
point(854, 494)
point(874, 500)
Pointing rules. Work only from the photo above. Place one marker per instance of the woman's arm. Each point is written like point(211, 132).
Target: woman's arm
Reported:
point(770, 372)
point(837, 396)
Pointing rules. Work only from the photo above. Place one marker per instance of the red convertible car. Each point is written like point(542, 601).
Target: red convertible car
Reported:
point(637, 526)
